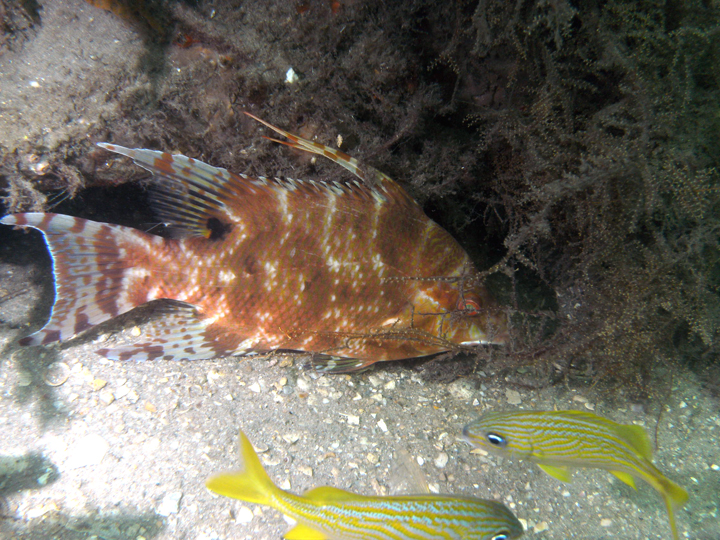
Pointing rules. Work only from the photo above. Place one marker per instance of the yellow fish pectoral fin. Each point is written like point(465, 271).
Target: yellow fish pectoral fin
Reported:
point(625, 477)
point(561, 473)
point(303, 532)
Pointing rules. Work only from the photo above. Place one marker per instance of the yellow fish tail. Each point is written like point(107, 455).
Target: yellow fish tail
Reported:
point(674, 497)
point(251, 484)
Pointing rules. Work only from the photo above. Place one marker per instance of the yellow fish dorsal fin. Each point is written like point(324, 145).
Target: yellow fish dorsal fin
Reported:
point(561, 473)
point(304, 532)
point(625, 477)
point(636, 437)
point(330, 494)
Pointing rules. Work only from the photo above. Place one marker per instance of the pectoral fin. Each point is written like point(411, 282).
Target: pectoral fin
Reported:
point(303, 532)
point(561, 473)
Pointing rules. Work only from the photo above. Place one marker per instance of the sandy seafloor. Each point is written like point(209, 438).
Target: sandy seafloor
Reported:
point(95, 449)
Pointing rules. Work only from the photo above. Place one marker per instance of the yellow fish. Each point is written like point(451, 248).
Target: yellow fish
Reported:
point(561, 440)
point(328, 513)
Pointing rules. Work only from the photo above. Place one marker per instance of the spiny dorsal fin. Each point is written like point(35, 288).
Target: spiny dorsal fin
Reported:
point(371, 177)
point(188, 193)
point(330, 494)
point(192, 196)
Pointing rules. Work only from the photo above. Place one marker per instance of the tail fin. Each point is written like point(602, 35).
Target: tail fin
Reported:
point(251, 484)
point(91, 265)
point(674, 497)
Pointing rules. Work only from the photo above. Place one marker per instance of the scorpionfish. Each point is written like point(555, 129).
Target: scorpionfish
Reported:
point(352, 272)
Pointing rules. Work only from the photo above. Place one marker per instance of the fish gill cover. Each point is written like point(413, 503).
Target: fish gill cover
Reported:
point(569, 146)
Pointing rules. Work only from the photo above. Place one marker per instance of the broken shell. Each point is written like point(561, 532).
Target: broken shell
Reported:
point(57, 374)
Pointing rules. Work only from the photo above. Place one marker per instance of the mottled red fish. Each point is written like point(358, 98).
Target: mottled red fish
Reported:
point(354, 272)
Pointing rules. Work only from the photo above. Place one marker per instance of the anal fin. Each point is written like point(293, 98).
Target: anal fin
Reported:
point(624, 477)
point(177, 332)
point(325, 363)
point(304, 532)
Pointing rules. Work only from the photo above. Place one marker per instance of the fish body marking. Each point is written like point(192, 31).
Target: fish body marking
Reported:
point(559, 441)
point(352, 272)
point(327, 513)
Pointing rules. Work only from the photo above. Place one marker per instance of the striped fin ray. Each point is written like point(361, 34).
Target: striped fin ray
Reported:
point(381, 185)
point(192, 197)
point(188, 192)
point(177, 332)
point(91, 274)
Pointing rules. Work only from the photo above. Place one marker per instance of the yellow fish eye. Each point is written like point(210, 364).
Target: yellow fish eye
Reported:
point(496, 440)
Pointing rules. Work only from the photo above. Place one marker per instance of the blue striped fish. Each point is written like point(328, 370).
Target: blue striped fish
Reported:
point(562, 440)
point(328, 513)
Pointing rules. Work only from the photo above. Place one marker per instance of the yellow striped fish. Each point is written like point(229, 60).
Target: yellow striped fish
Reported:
point(328, 513)
point(561, 440)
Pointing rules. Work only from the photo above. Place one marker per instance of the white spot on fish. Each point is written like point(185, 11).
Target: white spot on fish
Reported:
point(226, 276)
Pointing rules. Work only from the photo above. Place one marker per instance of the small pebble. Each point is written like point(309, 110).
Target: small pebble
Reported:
point(244, 515)
point(107, 397)
point(254, 387)
point(98, 384)
point(389, 385)
point(291, 438)
point(372, 458)
point(89, 450)
point(513, 397)
point(306, 470)
point(540, 527)
point(605, 522)
point(441, 460)
point(170, 503)
point(24, 378)
point(57, 374)
point(353, 420)
point(382, 425)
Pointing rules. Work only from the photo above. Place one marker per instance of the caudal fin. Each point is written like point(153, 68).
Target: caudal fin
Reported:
point(675, 497)
point(251, 484)
point(92, 265)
